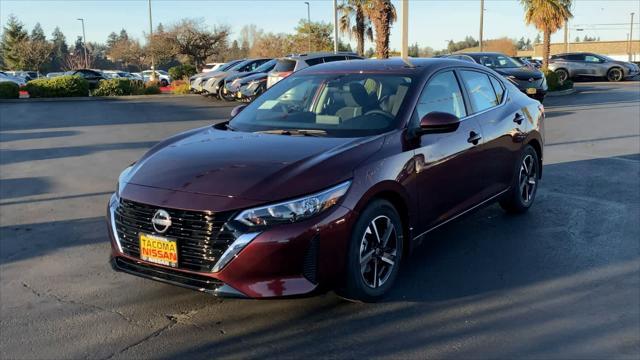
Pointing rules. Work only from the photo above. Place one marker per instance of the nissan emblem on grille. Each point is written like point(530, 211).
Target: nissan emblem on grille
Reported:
point(161, 221)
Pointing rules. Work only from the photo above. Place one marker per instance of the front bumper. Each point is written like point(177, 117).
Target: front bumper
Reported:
point(287, 260)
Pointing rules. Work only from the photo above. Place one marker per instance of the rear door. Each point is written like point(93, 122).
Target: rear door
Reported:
point(501, 129)
point(447, 165)
point(578, 65)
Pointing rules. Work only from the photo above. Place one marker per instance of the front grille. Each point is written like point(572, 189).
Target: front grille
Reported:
point(201, 237)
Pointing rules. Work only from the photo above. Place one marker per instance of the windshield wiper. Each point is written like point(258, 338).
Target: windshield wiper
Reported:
point(295, 132)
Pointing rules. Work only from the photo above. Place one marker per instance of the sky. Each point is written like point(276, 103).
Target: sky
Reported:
point(431, 22)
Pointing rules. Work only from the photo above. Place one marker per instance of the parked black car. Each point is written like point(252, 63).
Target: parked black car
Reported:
point(92, 76)
point(529, 80)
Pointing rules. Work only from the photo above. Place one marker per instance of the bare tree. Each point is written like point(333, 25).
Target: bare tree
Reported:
point(75, 60)
point(194, 40)
point(34, 53)
point(127, 51)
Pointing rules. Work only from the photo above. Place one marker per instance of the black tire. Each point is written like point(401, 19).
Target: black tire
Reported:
point(524, 187)
point(615, 74)
point(563, 75)
point(359, 278)
point(164, 83)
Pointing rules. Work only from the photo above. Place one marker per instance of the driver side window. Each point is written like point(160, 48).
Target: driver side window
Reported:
point(442, 94)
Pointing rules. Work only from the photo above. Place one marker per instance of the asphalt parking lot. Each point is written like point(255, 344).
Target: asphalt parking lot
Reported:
point(559, 282)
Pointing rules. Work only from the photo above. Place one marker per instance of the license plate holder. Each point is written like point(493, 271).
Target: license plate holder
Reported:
point(158, 249)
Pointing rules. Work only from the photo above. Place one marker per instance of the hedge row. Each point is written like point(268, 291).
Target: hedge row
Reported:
point(182, 71)
point(9, 90)
point(554, 83)
point(61, 86)
point(119, 87)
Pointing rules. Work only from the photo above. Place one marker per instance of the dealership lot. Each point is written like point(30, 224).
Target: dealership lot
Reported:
point(559, 282)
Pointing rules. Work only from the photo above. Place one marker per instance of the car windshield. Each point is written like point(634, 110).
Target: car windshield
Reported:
point(266, 66)
point(335, 105)
point(230, 65)
point(498, 61)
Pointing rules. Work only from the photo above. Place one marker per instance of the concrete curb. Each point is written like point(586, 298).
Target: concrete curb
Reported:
point(94, 98)
point(561, 92)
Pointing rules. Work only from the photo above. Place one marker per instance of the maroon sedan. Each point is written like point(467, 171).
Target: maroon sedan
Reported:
point(327, 180)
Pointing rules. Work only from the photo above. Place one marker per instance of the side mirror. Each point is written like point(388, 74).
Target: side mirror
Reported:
point(439, 122)
point(236, 110)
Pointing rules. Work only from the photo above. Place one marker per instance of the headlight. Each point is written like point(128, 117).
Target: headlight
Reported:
point(294, 210)
point(124, 177)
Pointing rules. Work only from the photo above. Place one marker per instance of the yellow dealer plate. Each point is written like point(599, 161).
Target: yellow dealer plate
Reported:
point(531, 91)
point(158, 249)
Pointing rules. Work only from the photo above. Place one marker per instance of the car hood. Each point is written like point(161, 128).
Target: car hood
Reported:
point(521, 73)
point(250, 78)
point(262, 167)
point(241, 75)
point(625, 63)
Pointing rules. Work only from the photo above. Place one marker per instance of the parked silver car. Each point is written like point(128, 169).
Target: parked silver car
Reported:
point(571, 65)
point(289, 64)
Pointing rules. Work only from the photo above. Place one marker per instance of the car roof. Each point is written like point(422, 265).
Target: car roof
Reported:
point(314, 55)
point(420, 66)
point(481, 53)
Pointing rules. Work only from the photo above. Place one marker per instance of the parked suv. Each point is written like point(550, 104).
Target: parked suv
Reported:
point(291, 63)
point(571, 65)
point(327, 180)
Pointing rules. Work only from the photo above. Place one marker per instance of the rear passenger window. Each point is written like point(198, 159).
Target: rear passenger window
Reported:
point(333, 58)
point(480, 90)
point(498, 88)
point(315, 61)
point(442, 94)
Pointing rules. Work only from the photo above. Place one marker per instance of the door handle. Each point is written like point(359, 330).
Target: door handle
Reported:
point(474, 138)
point(518, 119)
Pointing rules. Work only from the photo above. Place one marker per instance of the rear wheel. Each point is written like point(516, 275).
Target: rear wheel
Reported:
point(523, 190)
point(375, 252)
point(562, 75)
point(615, 75)
point(164, 83)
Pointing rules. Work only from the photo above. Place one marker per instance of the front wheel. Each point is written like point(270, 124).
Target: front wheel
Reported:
point(615, 75)
point(164, 83)
point(375, 252)
point(562, 75)
point(523, 190)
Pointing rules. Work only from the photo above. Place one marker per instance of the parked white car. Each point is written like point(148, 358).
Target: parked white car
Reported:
point(161, 76)
point(212, 67)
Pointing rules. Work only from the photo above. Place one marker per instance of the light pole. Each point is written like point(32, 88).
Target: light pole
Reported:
point(404, 52)
point(153, 67)
point(481, 23)
point(335, 26)
point(309, 22)
point(631, 39)
point(84, 45)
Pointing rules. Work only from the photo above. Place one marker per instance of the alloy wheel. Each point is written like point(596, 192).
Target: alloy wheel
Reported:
point(378, 251)
point(562, 75)
point(615, 75)
point(528, 179)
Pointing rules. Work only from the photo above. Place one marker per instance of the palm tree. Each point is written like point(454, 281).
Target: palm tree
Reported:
point(382, 14)
point(361, 29)
point(547, 16)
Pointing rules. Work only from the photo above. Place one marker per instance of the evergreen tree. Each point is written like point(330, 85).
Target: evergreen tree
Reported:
point(14, 33)
point(37, 33)
point(537, 40)
point(112, 39)
point(160, 28)
point(123, 35)
point(60, 49)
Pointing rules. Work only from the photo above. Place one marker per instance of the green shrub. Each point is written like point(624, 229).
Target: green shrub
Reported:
point(9, 90)
point(180, 87)
point(554, 83)
point(182, 71)
point(61, 86)
point(152, 88)
point(117, 87)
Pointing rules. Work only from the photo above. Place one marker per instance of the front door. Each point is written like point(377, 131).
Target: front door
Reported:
point(447, 165)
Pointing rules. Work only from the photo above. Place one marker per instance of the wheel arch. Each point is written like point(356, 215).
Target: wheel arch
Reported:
point(535, 144)
point(394, 193)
